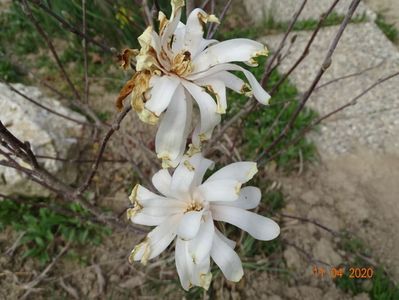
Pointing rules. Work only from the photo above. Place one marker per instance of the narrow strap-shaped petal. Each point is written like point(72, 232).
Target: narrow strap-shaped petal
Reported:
point(242, 171)
point(170, 139)
point(236, 50)
point(141, 195)
point(249, 198)
point(162, 90)
point(220, 190)
point(209, 117)
point(189, 173)
point(226, 240)
point(258, 92)
point(193, 39)
point(200, 246)
point(191, 274)
point(217, 88)
point(189, 225)
point(147, 220)
point(231, 81)
point(227, 260)
point(259, 227)
point(184, 264)
point(156, 241)
point(161, 181)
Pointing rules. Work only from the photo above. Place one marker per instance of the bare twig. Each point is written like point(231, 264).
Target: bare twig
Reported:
point(348, 76)
point(353, 101)
point(190, 5)
point(325, 65)
point(115, 126)
point(307, 47)
point(314, 222)
point(29, 286)
point(45, 107)
point(85, 55)
point(69, 27)
point(65, 75)
point(214, 26)
point(147, 13)
point(270, 61)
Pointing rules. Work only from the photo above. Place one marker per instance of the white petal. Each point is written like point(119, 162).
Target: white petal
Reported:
point(189, 225)
point(239, 50)
point(249, 198)
point(184, 264)
point(170, 139)
point(189, 173)
point(240, 171)
point(220, 190)
point(231, 81)
point(161, 181)
point(229, 242)
point(172, 24)
point(227, 260)
point(191, 274)
point(163, 89)
point(259, 227)
point(157, 240)
point(178, 38)
point(218, 89)
point(209, 117)
point(163, 211)
point(142, 195)
point(147, 220)
point(258, 92)
point(200, 247)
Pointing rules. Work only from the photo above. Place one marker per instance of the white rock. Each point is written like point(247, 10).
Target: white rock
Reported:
point(48, 134)
point(283, 10)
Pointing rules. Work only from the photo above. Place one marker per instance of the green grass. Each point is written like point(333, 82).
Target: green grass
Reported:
point(388, 29)
point(45, 229)
point(379, 287)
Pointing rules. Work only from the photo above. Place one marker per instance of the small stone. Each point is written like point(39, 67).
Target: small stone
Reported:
point(325, 252)
point(362, 296)
point(48, 135)
point(310, 197)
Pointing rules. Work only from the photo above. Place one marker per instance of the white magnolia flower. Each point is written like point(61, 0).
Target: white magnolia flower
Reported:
point(187, 211)
point(176, 67)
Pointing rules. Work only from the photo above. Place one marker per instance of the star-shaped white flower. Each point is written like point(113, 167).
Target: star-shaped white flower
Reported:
point(176, 67)
point(187, 211)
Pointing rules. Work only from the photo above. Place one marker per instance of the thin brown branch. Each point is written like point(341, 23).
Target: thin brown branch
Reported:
point(353, 101)
point(45, 107)
point(190, 5)
point(214, 26)
point(85, 55)
point(115, 126)
point(324, 66)
point(305, 52)
point(65, 75)
point(70, 28)
point(314, 222)
point(270, 61)
point(29, 286)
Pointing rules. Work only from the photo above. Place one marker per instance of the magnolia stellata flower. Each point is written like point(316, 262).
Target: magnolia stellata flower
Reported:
point(187, 211)
point(176, 67)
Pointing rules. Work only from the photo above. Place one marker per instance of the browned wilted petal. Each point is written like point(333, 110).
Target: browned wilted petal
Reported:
point(125, 57)
point(125, 91)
